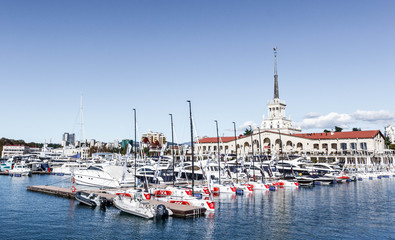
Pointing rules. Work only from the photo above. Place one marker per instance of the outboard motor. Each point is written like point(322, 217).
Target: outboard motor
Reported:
point(161, 211)
point(103, 203)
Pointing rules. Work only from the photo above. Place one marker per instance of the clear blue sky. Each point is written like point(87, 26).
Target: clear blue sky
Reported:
point(335, 64)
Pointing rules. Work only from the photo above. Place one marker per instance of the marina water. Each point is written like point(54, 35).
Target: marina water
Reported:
point(355, 210)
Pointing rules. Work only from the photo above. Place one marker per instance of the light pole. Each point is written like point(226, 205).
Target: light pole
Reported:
point(193, 164)
point(252, 150)
point(260, 148)
point(219, 159)
point(280, 151)
point(172, 145)
point(237, 170)
point(135, 149)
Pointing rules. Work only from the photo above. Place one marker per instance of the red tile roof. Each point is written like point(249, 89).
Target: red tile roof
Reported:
point(336, 135)
point(339, 135)
point(214, 139)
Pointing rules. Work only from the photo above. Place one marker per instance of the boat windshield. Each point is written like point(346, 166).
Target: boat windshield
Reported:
point(97, 168)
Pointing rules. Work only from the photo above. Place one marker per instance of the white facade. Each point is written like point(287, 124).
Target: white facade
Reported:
point(9, 151)
point(277, 120)
point(267, 141)
point(70, 151)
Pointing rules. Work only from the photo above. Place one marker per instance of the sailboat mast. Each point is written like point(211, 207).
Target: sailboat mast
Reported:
point(172, 146)
point(193, 162)
point(81, 126)
point(135, 149)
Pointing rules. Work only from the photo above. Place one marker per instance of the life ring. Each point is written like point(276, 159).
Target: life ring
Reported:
point(73, 189)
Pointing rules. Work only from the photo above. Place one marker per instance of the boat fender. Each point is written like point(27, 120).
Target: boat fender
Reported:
point(73, 180)
point(73, 189)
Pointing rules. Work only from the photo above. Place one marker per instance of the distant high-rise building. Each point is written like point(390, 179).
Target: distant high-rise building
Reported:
point(68, 139)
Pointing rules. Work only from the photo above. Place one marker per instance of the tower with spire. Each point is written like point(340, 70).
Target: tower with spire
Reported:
point(277, 120)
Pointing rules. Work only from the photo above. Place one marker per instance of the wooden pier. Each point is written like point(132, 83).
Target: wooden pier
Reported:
point(33, 172)
point(183, 211)
point(52, 190)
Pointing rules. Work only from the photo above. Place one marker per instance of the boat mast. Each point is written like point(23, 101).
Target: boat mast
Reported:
point(81, 126)
point(237, 170)
point(135, 149)
point(252, 148)
point(218, 156)
point(172, 146)
point(193, 164)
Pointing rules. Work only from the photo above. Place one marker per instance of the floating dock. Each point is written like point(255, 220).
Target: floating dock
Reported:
point(183, 211)
point(52, 190)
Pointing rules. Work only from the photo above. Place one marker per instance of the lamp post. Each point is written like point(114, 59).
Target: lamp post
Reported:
point(135, 149)
point(260, 148)
point(172, 146)
point(280, 150)
point(252, 150)
point(219, 159)
point(237, 170)
point(193, 164)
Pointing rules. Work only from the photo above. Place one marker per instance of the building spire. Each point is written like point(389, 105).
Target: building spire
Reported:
point(276, 91)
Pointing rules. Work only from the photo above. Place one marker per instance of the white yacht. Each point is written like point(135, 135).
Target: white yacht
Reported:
point(69, 167)
point(20, 169)
point(104, 176)
point(136, 205)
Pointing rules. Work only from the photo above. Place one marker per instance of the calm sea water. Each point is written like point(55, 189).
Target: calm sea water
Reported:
point(361, 210)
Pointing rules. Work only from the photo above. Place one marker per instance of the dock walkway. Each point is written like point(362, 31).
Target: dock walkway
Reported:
point(183, 211)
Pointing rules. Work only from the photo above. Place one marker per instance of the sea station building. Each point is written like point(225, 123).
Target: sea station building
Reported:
point(278, 133)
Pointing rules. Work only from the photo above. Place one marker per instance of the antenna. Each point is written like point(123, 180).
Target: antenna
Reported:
point(81, 123)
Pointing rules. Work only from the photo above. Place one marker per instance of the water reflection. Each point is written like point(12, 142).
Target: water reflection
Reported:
point(361, 210)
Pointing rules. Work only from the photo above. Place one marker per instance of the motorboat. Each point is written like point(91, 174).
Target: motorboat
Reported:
point(305, 181)
point(7, 165)
point(324, 168)
point(104, 176)
point(68, 168)
point(285, 184)
point(20, 169)
point(259, 185)
point(136, 205)
point(190, 200)
point(246, 187)
point(225, 188)
point(171, 191)
point(185, 171)
point(147, 173)
point(90, 199)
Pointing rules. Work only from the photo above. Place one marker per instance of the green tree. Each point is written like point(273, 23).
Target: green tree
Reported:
point(338, 129)
point(326, 131)
point(387, 141)
point(356, 129)
point(146, 150)
point(247, 132)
